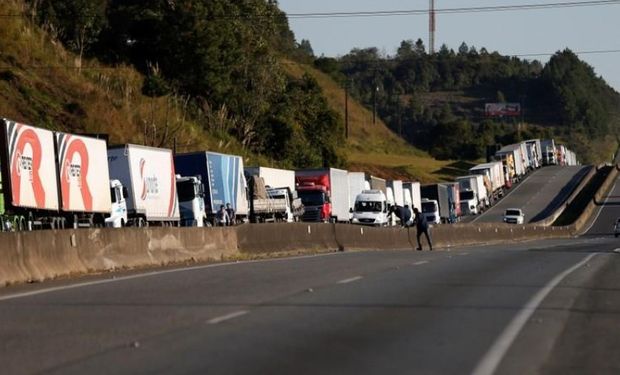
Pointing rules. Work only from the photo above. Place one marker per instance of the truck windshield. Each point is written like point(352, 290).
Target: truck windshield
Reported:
point(186, 191)
point(429, 207)
point(466, 195)
point(368, 206)
point(312, 198)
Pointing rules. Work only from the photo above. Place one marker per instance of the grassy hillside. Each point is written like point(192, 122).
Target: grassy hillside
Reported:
point(375, 148)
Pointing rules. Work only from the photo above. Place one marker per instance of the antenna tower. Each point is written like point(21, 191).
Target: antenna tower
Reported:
point(431, 26)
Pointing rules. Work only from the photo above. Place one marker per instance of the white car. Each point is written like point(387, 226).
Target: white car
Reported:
point(617, 228)
point(513, 216)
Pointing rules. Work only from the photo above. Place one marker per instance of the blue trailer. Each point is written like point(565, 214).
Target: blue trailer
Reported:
point(223, 180)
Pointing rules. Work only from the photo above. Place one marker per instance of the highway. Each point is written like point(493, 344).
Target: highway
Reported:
point(548, 307)
point(607, 214)
point(543, 191)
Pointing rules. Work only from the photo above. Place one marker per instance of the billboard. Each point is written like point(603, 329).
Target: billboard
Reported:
point(502, 109)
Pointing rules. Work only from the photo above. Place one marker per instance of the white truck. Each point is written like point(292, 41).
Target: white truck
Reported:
point(549, 152)
point(148, 174)
point(534, 152)
point(516, 152)
point(495, 173)
point(324, 193)
point(473, 194)
point(191, 194)
point(371, 208)
point(273, 177)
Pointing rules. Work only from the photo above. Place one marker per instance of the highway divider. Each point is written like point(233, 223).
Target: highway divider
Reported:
point(43, 255)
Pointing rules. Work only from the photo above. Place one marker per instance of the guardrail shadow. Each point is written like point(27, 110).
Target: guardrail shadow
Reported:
point(561, 197)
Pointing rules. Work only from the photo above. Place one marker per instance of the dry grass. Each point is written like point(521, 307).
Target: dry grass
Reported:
point(375, 148)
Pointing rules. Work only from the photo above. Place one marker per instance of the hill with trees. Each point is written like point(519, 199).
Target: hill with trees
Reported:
point(437, 102)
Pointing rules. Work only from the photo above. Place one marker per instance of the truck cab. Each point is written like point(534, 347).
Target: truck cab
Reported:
point(316, 201)
point(430, 210)
point(469, 202)
point(370, 208)
point(294, 207)
point(191, 201)
point(118, 216)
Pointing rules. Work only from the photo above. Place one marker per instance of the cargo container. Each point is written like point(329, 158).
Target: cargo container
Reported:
point(494, 171)
point(397, 189)
point(148, 173)
point(51, 180)
point(455, 199)
point(416, 197)
point(223, 179)
point(535, 152)
point(513, 160)
point(324, 193)
point(357, 184)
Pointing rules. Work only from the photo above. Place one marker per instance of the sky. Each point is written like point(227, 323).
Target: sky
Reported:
point(518, 32)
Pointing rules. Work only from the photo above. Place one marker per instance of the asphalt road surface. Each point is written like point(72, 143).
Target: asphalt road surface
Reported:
point(607, 213)
point(550, 307)
point(543, 191)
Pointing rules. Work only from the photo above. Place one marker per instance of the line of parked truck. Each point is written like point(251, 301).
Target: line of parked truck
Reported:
point(58, 180)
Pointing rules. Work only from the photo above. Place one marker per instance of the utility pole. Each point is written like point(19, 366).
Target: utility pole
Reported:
point(374, 105)
point(431, 26)
point(346, 110)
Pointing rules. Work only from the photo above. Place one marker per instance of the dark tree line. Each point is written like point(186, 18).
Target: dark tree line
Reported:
point(437, 101)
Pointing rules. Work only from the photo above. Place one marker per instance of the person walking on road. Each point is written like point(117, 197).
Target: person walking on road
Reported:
point(422, 227)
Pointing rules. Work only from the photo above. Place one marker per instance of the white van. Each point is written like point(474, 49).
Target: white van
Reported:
point(370, 208)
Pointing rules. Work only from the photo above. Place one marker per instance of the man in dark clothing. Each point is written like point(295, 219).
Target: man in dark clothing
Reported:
point(232, 217)
point(422, 227)
point(402, 213)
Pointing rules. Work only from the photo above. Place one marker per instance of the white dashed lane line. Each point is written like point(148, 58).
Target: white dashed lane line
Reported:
point(352, 279)
point(226, 317)
point(420, 263)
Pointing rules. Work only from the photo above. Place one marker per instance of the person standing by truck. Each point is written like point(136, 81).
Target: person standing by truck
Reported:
point(422, 227)
point(231, 214)
point(221, 217)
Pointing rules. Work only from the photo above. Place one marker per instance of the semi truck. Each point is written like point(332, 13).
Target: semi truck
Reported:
point(191, 193)
point(494, 171)
point(272, 204)
point(273, 177)
point(324, 193)
point(357, 184)
point(549, 152)
point(455, 200)
point(149, 175)
point(437, 195)
point(223, 179)
point(473, 194)
point(51, 179)
point(534, 152)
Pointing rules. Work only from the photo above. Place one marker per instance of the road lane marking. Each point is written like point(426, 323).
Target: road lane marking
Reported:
point(226, 317)
point(493, 357)
point(350, 280)
point(617, 250)
point(463, 254)
point(420, 263)
point(155, 273)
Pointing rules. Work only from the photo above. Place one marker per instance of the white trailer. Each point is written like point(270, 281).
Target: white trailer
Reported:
point(535, 152)
point(495, 173)
point(357, 184)
point(149, 176)
point(548, 152)
point(273, 177)
point(416, 197)
point(397, 190)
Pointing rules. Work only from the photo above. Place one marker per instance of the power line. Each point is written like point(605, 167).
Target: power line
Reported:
point(485, 9)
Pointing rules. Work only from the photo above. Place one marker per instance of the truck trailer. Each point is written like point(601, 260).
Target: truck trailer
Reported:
point(438, 195)
point(148, 173)
point(223, 179)
point(324, 193)
point(51, 180)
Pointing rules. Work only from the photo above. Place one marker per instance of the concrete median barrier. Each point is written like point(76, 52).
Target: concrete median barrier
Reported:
point(578, 227)
point(286, 237)
point(358, 237)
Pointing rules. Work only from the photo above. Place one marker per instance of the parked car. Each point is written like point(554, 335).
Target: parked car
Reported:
point(617, 228)
point(513, 216)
